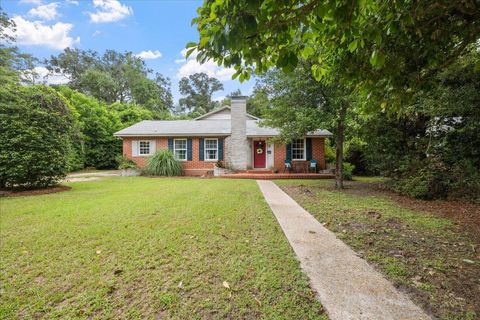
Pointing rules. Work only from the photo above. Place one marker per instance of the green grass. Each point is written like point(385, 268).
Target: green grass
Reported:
point(148, 248)
point(416, 250)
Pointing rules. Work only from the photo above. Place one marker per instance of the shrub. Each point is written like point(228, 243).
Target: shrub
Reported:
point(125, 163)
point(163, 163)
point(35, 134)
point(427, 179)
point(348, 170)
point(465, 181)
point(329, 152)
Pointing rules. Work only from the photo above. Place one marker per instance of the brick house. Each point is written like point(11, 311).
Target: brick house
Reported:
point(228, 134)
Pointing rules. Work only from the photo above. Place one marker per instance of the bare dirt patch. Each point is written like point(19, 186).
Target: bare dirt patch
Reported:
point(82, 179)
point(463, 213)
point(35, 192)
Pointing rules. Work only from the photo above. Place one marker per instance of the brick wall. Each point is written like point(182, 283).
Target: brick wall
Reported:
point(194, 167)
point(197, 167)
point(318, 153)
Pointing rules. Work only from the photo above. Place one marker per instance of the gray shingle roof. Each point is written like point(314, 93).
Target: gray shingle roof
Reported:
point(194, 128)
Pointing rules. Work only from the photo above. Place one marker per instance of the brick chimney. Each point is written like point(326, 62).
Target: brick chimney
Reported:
point(238, 144)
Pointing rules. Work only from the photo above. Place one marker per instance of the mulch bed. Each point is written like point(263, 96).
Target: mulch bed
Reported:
point(35, 192)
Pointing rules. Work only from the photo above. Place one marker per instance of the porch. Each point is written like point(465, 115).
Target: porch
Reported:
point(270, 175)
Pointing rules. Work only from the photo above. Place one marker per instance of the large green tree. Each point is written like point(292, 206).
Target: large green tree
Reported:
point(6, 24)
point(433, 148)
point(300, 104)
point(386, 49)
point(198, 89)
point(97, 125)
point(36, 130)
point(128, 114)
point(114, 77)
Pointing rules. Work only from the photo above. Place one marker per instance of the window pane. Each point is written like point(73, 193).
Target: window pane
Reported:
point(297, 154)
point(211, 147)
point(181, 154)
point(144, 147)
point(211, 144)
point(180, 144)
point(298, 149)
point(211, 154)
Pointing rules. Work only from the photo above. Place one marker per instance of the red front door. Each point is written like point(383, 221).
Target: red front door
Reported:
point(259, 154)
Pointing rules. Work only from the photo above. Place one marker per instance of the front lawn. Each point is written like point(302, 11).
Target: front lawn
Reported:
point(433, 259)
point(149, 248)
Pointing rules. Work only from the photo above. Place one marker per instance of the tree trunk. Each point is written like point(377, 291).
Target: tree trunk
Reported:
point(340, 137)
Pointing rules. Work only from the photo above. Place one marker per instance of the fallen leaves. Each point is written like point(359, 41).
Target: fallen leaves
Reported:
point(227, 286)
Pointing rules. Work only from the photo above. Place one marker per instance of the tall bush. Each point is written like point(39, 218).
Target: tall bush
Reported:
point(98, 126)
point(35, 134)
point(163, 163)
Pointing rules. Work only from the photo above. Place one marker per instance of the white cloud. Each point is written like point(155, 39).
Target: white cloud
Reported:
point(56, 36)
point(109, 11)
point(42, 75)
point(193, 55)
point(219, 99)
point(190, 66)
point(45, 12)
point(74, 2)
point(96, 33)
point(36, 2)
point(149, 54)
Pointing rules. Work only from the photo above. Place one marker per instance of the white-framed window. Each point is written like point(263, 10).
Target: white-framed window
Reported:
point(180, 149)
point(298, 149)
point(144, 148)
point(211, 149)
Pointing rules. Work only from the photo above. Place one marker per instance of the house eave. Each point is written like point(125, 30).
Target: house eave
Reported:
point(126, 135)
point(206, 115)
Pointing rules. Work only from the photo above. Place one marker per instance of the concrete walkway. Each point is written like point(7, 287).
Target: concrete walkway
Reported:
point(347, 286)
point(82, 176)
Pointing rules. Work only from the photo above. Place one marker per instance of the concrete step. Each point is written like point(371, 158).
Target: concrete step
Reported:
point(254, 171)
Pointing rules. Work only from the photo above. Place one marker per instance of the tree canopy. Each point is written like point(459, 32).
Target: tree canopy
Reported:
point(36, 127)
point(197, 90)
point(114, 77)
point(383, 48)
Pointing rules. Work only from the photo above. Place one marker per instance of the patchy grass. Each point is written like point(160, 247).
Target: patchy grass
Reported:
point(432, 258)
point(149, 248)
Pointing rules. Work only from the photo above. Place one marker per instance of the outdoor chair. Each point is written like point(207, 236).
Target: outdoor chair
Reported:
point(313, 166)
point(288, 166)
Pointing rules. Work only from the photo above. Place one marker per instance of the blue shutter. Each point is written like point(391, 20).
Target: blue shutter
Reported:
point(220, 149)
point(201, 153)
point(308, 143)
point(289, 152)
point(189, 149)
point(170, 144)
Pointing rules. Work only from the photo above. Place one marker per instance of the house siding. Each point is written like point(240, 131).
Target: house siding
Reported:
point(197, 167)
point(318, 153)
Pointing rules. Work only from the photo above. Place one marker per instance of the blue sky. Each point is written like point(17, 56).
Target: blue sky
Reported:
point(157, 28)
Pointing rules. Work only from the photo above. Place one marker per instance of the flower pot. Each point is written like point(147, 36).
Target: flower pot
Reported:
point(130, 172)
point(217, 171)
